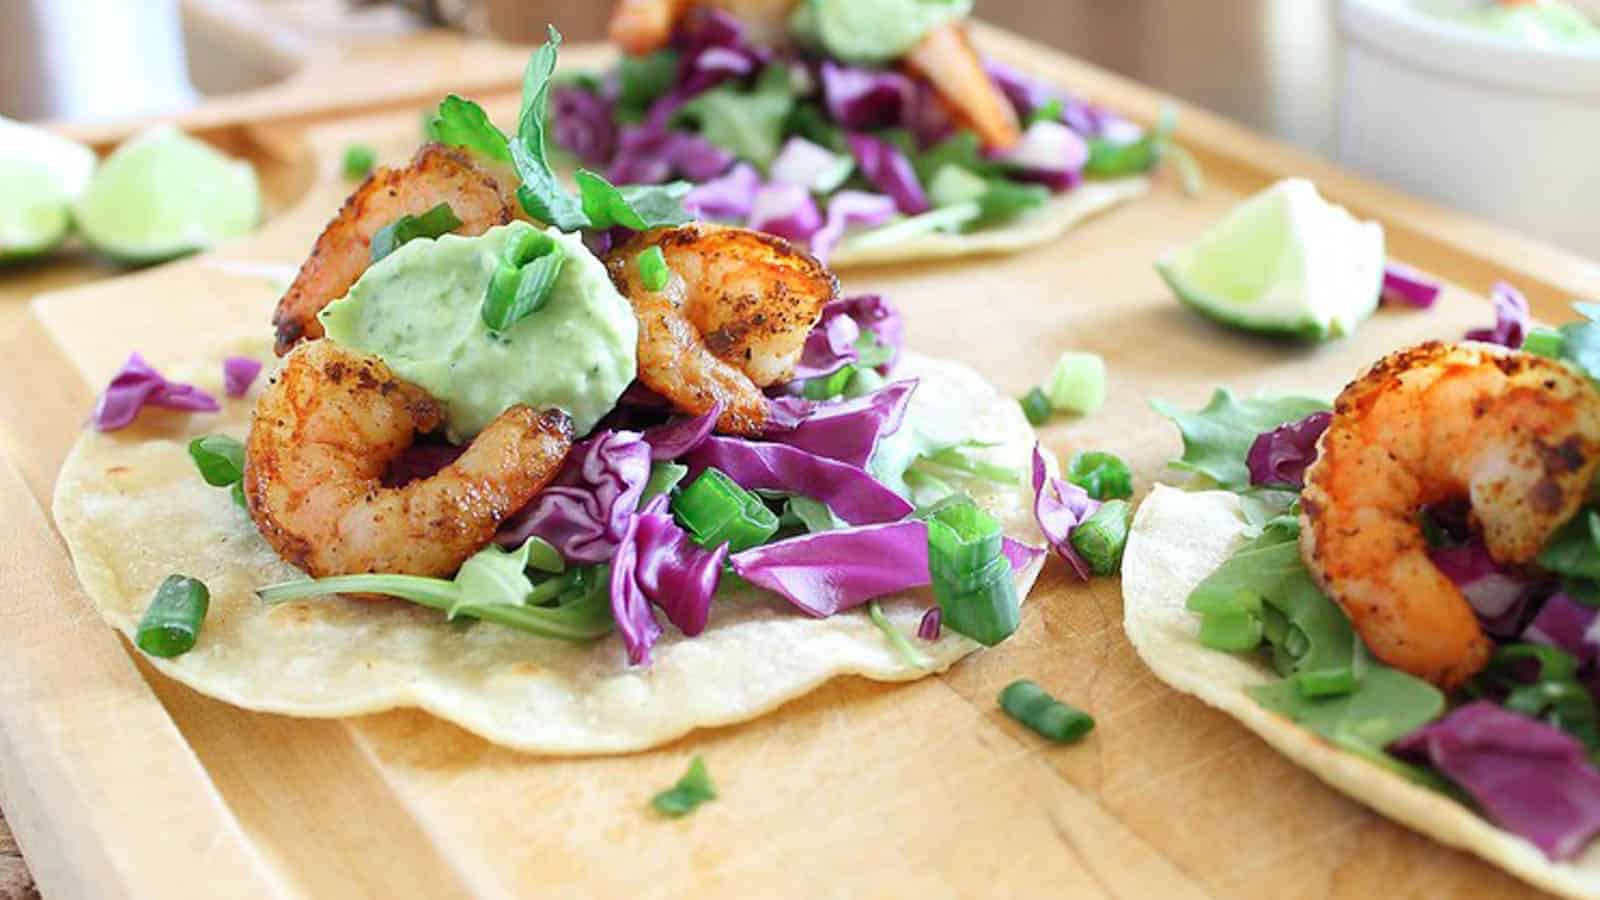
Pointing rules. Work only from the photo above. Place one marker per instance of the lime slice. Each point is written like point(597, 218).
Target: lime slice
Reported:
point(40, 175)
point(164, 194)
point(1283, 262)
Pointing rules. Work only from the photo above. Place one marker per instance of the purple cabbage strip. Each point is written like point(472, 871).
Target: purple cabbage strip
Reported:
point(1564, 622)
point(680, 436)
point(930, 120)
point(931, 625)
point(877, 315)
point(650, 154)
point(829, 347)
point(1498, 597)
point(1281, 456)
point(1529, 778)
point(1059, 507)
point(657, 564)
point(1050, 154)
point(848, 431)
point(137, 385)
point(714, 49)
point(728, 198)
point(1407, 286)
point(238, 373)
point(828, 572)
point(586, 512)
point(1029, 94)
point(845, 209)
point(1511, 319)
point(850, 492)
point(865, 99)
point(889, 171)
point(787, 211)
point(583, 123)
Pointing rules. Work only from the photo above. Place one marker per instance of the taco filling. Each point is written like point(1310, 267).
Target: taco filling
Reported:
point(864, 130)
point(1411, 574)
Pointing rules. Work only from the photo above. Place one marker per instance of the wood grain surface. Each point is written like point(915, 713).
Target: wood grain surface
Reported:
point(116, 777)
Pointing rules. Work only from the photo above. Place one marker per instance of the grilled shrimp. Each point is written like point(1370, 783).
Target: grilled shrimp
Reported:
point(1517, 435)
point(437, 174)
point(322, 436)
point(945, 57)
point(732, 319)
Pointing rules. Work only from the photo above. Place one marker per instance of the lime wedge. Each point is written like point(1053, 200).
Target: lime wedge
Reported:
point(40, 175)
point(164, 194)
point(1283, 262)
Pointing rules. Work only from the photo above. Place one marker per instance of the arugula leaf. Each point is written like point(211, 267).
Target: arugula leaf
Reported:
point(693, 789)
point(463, 123)
point(747, 124)
point(541, 194)
point(1217, 438)
point(1109, 159)
point(1574, 550)
point(810, 121)
point(639, 207)
point(220, 460)
point(1387, 705)
point(1005, 200)
point(641, 80)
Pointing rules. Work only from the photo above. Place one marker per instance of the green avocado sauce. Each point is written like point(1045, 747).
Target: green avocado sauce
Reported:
point(420, 310)
point(871, 32)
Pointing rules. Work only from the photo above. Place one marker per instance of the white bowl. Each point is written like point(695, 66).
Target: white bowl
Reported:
point(1473, 119)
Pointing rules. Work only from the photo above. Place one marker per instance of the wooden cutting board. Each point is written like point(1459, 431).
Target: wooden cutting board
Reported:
point(120, 782)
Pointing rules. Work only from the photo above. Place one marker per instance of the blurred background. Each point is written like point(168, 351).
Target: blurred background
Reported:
point(1481, 122)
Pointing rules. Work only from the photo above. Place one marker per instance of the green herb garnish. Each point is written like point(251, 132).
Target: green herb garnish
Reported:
point(1104, 475)
point(463, 123)
point(220, 460)
point(358, 161)
point(438, 221)
point(1217, 438)
point(693, 789)
point(171, 623)
point(1031, 705)
point(653, 271)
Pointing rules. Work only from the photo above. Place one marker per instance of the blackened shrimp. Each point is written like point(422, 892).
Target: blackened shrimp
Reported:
point(437, 174)
point(731, 320)
point(1516, 435)
point(324, 433)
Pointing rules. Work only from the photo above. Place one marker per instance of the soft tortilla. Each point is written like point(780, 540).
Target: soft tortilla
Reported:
point(133, 510)
point(1042, 226)
point(1178, 539)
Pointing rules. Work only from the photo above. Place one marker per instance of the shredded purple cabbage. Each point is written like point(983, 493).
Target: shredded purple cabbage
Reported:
point(674, 439)
point(238, 373)
point(1050, 154)
point(1499, 598)
point(875, 314)
point(845, 209)
point(827, 572)
point(787, 211)
point(848, 431)
point(889, 171)
point(852, 494)
point(728, 198)
point(1529, 778)
point(1059, 507)
point(656, 563)
point(714, 49)
point(1564, 622)
point(1407, 286)
point(931, 625)
point(829, 347)
point(1511, 319)
point(585, 513)
point(1029, 95)
point(1281, 456)
point(865, 99)
point(137, 385)
point(930, 120)
point(583, 123)
point(801, 163)
point(650, 154)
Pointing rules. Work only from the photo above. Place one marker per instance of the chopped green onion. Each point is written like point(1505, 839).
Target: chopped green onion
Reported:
point(971, 576)
point(826, 387)
point(653, 271)
point(1547, 342)
point(1233, 631)
point(908, 653)
point(358, 161)
point(219, 458)
point(524, 281)
point(1104, 475)
point(1101, 538)
point(715, 510)
point(693, 789)
point(171, 623)
point(1031, 705)
point(958, 459)
point(1078, 384)
point(1036, 406)
point(431, 224)
point(863, 382)
point(664, 476)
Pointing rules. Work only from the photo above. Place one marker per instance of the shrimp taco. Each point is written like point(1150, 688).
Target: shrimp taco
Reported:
point(491, 461)
point(1399, 591)
point(871, 131)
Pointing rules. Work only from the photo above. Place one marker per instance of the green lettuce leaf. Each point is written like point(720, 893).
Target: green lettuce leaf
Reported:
point(748, 124)
point(1217, 438)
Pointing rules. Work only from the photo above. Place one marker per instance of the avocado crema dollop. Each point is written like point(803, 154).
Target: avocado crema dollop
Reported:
point(419, 309)
point(871, 32)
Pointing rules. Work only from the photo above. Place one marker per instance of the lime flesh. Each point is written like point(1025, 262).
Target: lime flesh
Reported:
point(164, 194)
point(1284, 262)
point(40, 175)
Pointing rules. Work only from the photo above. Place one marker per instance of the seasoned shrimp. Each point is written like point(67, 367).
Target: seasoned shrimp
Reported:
point(1517, 435)
point(322, 436)
point(436, 175)
point(945, 57)
point(732, 319)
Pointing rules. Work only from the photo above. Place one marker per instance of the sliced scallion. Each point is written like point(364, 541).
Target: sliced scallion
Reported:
point(171, 623)
point(693, 789)
point(653, 271)
point(715, 510)
point(1104, 475)
point(358, 161)
point(1101, 538)
point(902, 646)
point(435, 222)
point(1036, 406)
point(1031, 705)
point(971, 576)
point(1078, 384)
